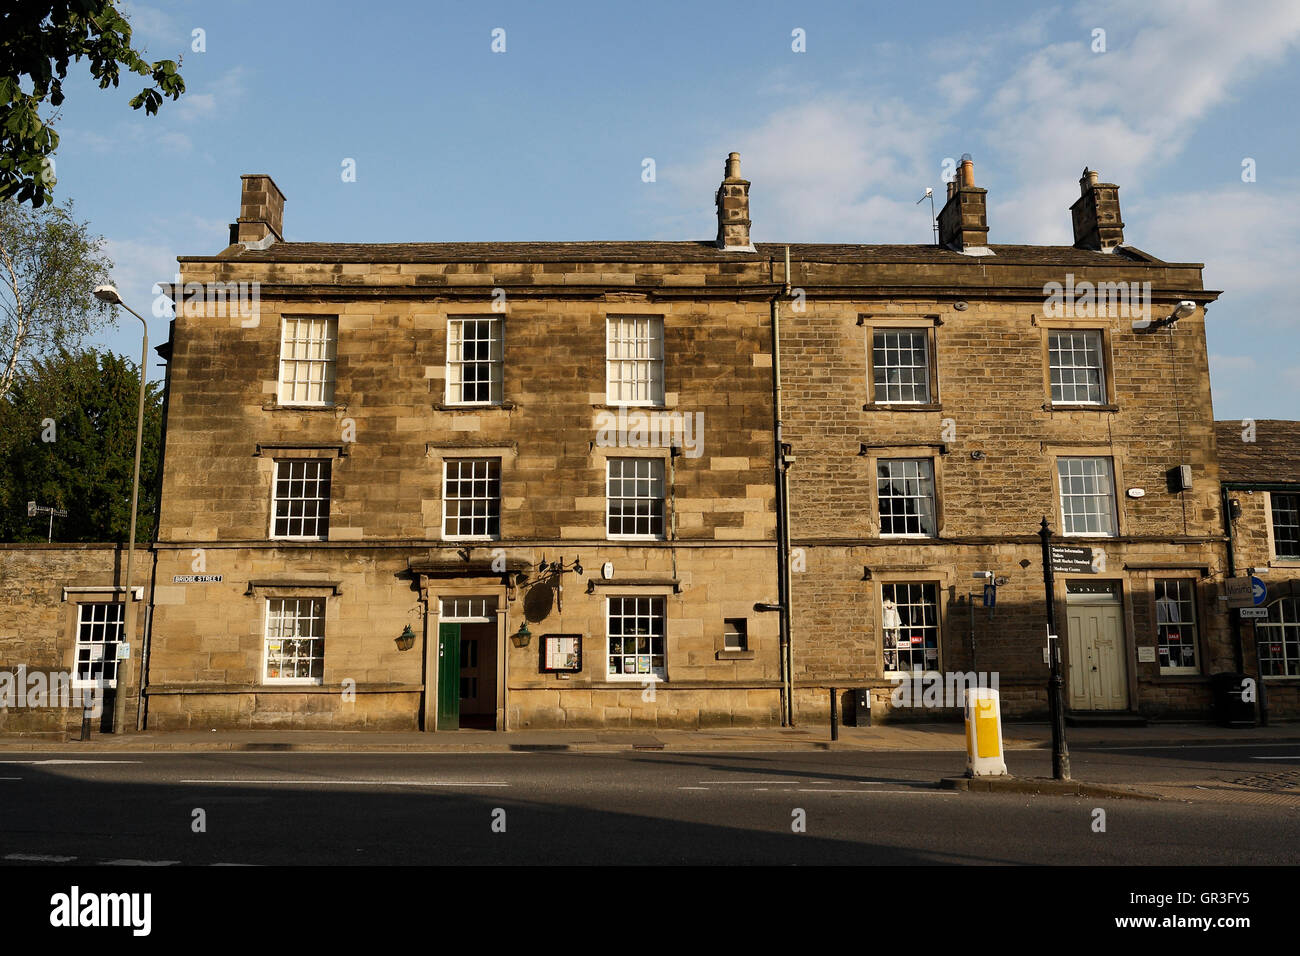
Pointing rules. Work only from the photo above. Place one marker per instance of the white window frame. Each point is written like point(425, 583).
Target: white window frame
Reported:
point(925, 473)
point(656, 476)
point(473, 498)
point(1088, 342)
point(1067, 518)
point(657, 606)
point(107, 648)
point(467, 609)
point(325, 464)
point(1172, 610)
point(314, 353)
point(887, 587)
point(1272, 525)
point(457, 363)
point(1287, 611)
point(316, 641)
point(634, 343)
point(881, 367)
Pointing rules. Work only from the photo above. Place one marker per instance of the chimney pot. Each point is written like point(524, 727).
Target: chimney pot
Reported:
point(732, 200)
point(1095, 214)
point(963, 221)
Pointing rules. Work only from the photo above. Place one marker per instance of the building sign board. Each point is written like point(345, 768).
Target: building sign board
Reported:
point(1238, 592)
point(196, 579)
point(562, 653)
point(1072, 560)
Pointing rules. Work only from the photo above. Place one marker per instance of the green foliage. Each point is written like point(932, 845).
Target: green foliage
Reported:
point(92, 398)
point(49, 265)
point(37, 41)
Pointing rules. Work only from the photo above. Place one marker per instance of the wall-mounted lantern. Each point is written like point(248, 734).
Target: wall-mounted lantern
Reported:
point(522, 636)
point(406, 640)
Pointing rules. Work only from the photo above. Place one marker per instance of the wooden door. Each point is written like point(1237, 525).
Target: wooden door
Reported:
point(448, 676)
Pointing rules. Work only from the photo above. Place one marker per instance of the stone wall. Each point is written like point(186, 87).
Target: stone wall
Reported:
point(40, 589)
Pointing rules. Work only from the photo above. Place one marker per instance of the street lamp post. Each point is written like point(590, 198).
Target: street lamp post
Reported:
point(108, 293)
point(1055, 683)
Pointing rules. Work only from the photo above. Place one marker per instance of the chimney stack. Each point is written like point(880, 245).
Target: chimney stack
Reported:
point(732, 200)
point(261, 212)
point(963, 221)
point(1097, 224)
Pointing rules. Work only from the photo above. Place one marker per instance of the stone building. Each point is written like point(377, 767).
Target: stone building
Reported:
point(1260, 463)
point(940, 402)
point(558, 484)
point(496, 484)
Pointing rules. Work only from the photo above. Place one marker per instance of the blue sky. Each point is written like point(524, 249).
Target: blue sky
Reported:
point(546, 140)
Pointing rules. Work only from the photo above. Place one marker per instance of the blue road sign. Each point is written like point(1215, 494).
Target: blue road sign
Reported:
point(1258, 590)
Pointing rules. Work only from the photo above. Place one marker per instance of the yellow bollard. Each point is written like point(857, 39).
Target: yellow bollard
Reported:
point(984, 733)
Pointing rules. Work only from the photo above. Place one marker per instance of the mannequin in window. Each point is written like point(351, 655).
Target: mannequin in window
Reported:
point(890, 622)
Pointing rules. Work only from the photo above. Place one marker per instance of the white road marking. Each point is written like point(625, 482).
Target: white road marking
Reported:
point(11, 778)
point(942, 793)
point(692, 788)
point(1295, 757)
point(47, 763)
point(140, 863)
point(358, 783)
point(38, 858)
point(742, 781)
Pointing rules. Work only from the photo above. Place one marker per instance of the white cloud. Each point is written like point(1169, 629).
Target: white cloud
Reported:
point(198, 104)
point(137, 265)
point(822, 173)
point(1128, 111)
point(1245, 233)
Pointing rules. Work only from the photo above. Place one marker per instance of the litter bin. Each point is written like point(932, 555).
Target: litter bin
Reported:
point(1230, 709)
point(861, 697)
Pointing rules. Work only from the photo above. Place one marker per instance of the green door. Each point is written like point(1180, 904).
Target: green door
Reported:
point(448, 676)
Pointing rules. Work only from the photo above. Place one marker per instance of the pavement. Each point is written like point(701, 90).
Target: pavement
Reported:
point(934, 737)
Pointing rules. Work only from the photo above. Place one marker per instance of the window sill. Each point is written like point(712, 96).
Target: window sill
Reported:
point(292, 407)
point(901, 407)
point(468, 407)
point(639, 407)
point(1063, 407)
point(634, 679)
point(734, 656)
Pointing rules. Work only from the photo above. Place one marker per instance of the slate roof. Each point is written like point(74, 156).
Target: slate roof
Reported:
point(699, 251)
point(1273, 457)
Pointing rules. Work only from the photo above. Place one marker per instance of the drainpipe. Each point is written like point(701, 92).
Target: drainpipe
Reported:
point(782, 464)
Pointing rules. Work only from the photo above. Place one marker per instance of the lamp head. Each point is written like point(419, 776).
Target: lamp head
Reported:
point(108, 293)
